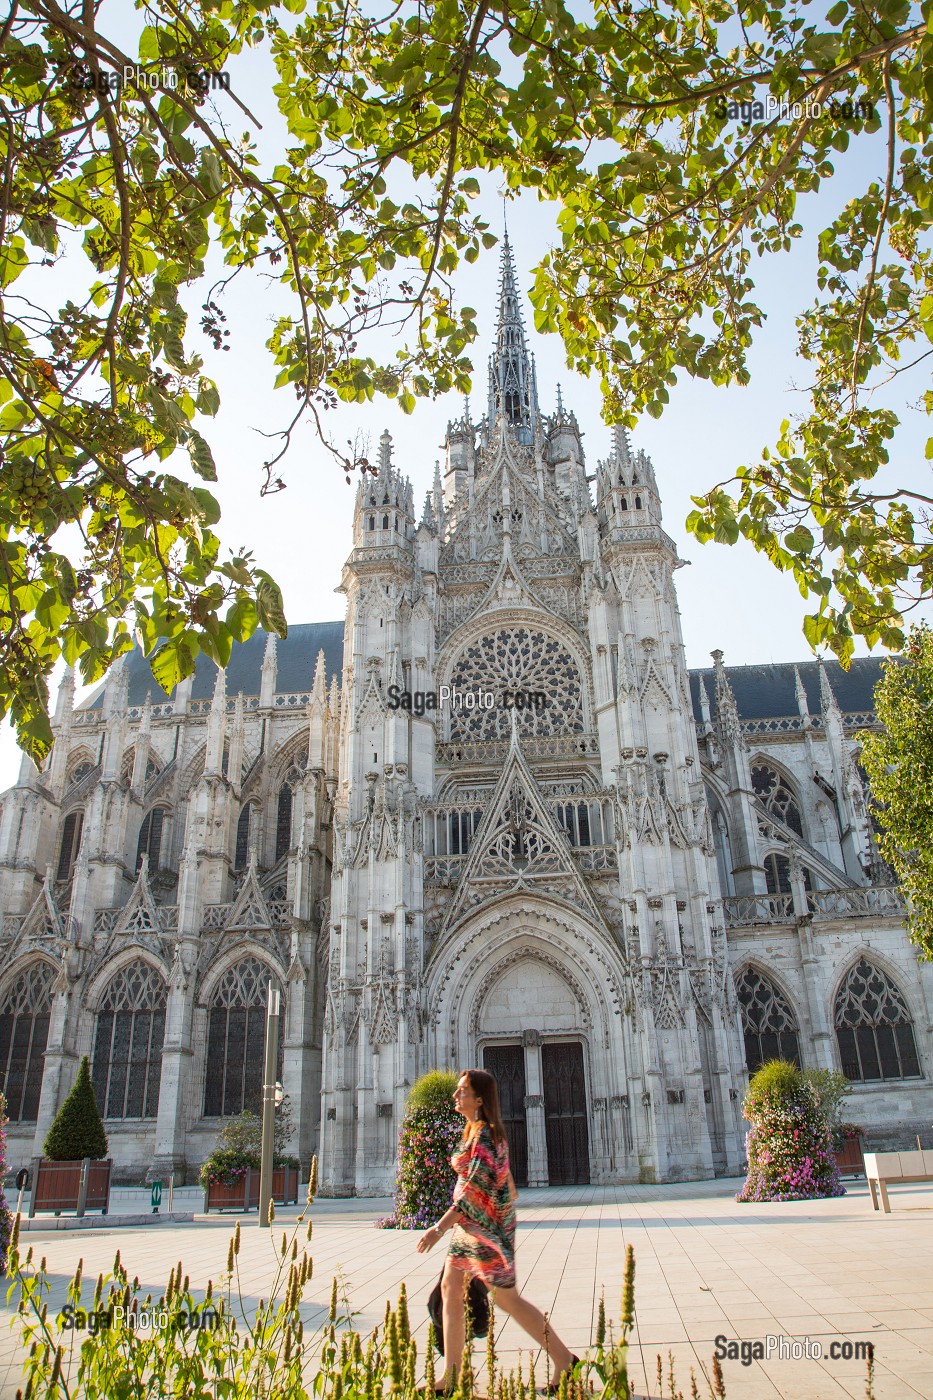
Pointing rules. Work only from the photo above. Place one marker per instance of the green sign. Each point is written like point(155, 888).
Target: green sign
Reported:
point(156, 1196)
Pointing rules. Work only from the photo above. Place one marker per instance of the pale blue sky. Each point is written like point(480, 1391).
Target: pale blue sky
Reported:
point(729, 598)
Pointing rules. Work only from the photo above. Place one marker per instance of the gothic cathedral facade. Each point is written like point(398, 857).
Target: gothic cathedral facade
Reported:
point(491, 818)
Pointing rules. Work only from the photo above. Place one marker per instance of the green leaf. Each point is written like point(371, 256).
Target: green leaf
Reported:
point(269, 604)
point(174, 660)
point(201, 458)
point(242, 619)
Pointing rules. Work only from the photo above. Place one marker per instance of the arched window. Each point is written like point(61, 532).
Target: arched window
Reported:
point(245, 828)
point(773, 792)
point(70, 843)
point(372, 522)
point(80, 770)
point(150, 838)
point(768, 1022)
point(385, 522)
point(128, 1043)
point(24, 1031)
point(283, 822)
point(873, 1027)
point(236, 1038)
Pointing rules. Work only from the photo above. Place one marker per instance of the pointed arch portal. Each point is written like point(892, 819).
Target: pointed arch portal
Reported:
point(531, 991)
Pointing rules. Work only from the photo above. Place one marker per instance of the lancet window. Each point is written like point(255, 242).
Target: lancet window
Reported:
point(128, 1043)
point(70, 843)
point(283, 822)
point(24, 1032)
point(245, 832)
point(874, 1028)
point(150, 838)
point(777, 873)
point(574, 817)
point(769, 1024)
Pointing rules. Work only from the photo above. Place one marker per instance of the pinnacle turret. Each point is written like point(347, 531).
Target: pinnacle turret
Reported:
point(385, 503)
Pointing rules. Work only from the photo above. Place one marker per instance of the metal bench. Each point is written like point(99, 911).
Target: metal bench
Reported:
point(885, 1168)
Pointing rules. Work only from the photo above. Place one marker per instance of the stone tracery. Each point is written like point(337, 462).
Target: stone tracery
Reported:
point(523, 662)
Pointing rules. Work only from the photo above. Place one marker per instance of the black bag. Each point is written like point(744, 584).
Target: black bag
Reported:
point(477, 1301)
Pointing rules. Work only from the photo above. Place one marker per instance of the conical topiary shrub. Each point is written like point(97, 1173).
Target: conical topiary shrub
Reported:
point(431, 1129)
point(790, 1152)
point(77, 1131)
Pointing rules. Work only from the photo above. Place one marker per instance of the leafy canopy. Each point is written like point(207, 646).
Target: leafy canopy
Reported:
point(899, 764)
point(623, 114)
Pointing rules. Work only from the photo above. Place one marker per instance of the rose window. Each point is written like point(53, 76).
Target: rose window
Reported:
point(518, 669)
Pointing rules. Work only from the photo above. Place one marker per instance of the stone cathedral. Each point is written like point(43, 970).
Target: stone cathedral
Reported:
point(490, 818)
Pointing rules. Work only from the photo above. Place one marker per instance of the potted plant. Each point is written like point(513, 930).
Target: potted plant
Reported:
point(830, 1087)
point(790, 1154)
point(231, 1174)
point(431, 1129)
point(847, 1145)
point(72, 1175)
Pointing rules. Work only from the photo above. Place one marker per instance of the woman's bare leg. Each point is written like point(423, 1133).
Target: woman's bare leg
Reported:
point(453, 1296)
point(537, 1327)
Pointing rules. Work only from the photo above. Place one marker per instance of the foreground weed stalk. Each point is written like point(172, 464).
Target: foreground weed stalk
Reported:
point(215, 1350)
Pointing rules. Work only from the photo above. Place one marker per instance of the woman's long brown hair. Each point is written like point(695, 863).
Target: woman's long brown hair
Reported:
point(487, 1091)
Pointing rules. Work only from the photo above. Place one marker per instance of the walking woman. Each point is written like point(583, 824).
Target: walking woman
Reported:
point(482, 1217)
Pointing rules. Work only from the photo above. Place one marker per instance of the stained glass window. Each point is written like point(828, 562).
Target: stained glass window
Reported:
point(24, 1031)
point(70, 844)
point(243, 833)
point(283, 822)
point(771, 789)
point(768, 1022)
point(874, 1027)
point(128, 1040)
point(236, 1039)
point(523, 670)
point(574, 817)
point(150, 838)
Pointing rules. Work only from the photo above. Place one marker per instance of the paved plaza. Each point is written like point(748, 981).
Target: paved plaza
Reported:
point(832, 1271)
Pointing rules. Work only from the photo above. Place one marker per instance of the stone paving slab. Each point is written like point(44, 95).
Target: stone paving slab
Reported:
point(831, 1271)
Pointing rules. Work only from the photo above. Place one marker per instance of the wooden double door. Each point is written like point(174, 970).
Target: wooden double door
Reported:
point(565, 1118)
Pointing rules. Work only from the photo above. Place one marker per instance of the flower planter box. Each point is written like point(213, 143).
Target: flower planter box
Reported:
point(244, 1194)
point(78, 1186)
point(849, 1157)
point(284, 1187)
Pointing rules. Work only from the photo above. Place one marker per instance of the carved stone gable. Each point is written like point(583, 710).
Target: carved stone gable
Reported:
point(250, 910)
point(518, 846)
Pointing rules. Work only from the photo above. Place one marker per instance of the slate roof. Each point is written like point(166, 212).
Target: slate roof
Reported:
point(295, 661)
point(768, 692)
point(761, 692)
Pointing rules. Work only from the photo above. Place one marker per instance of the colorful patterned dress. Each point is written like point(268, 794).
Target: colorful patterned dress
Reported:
point(484, 1245)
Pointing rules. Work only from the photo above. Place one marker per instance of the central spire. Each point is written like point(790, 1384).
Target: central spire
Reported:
point(513, 391)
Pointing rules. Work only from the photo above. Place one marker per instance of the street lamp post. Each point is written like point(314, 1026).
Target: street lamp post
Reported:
point(269, 1094)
